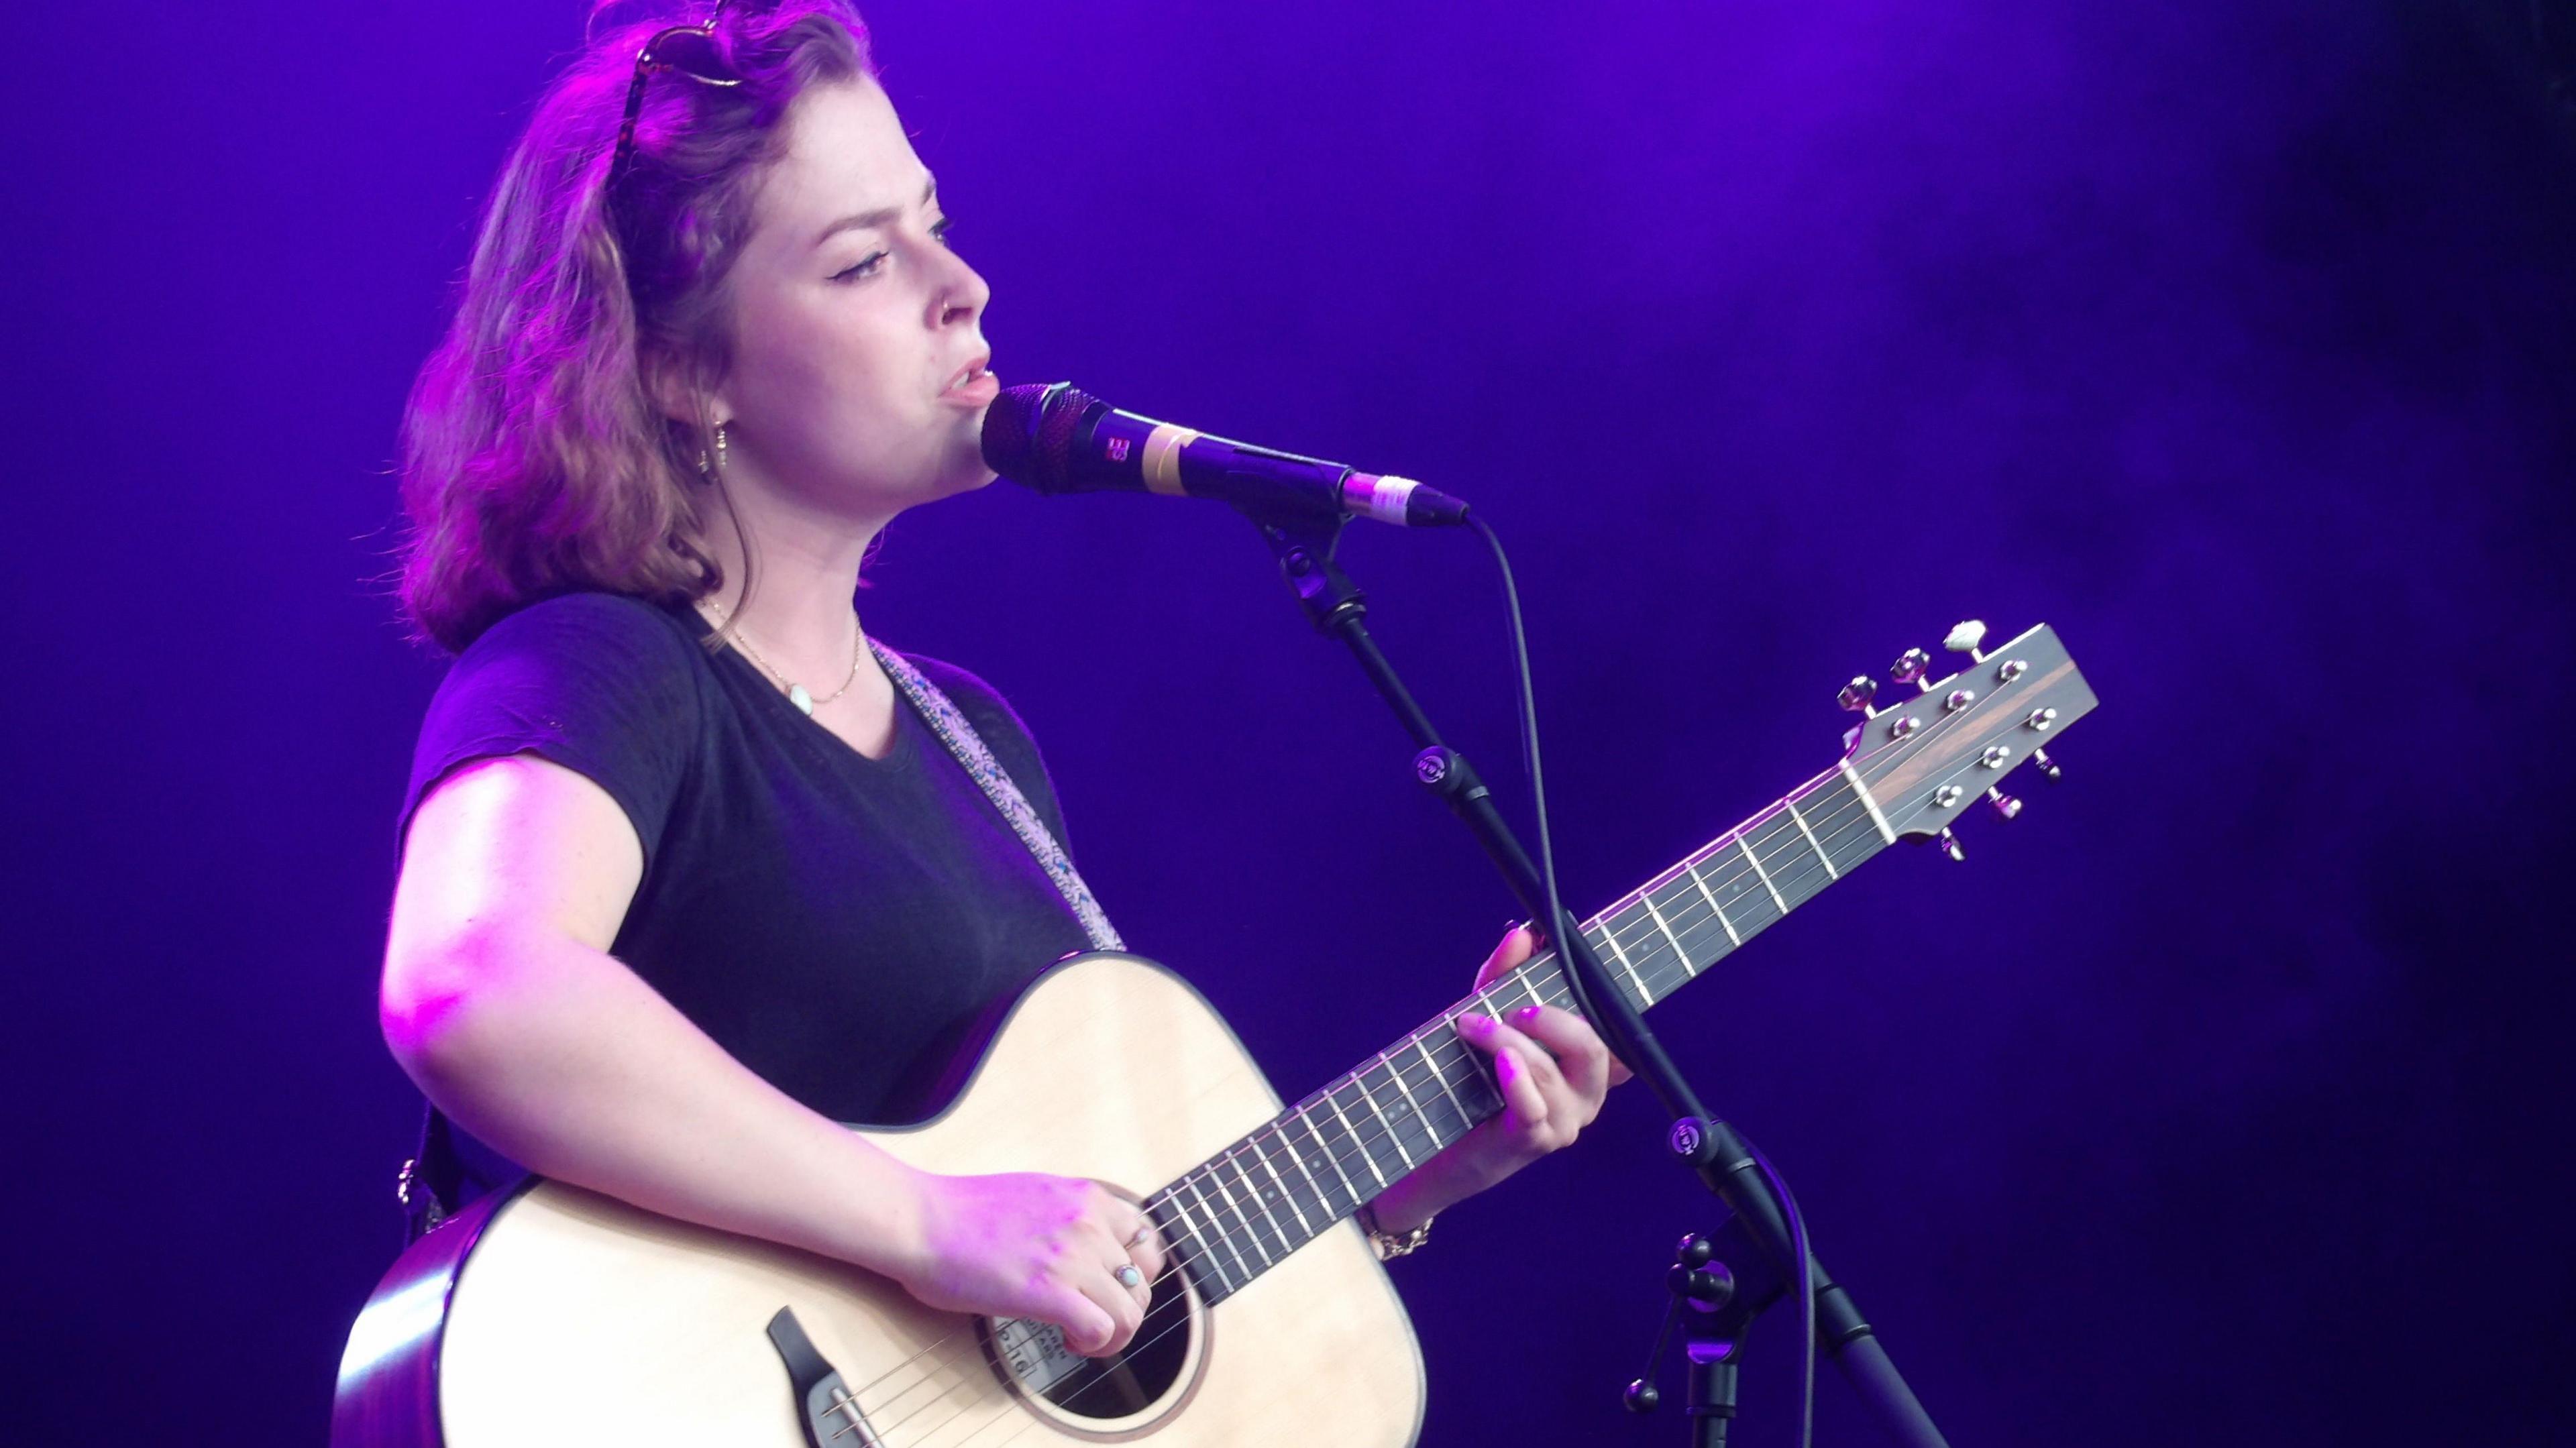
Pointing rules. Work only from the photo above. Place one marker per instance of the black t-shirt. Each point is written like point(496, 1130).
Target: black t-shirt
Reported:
point(847, 927)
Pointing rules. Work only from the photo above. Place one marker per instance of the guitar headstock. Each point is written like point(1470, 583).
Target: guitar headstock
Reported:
point(1929, 756)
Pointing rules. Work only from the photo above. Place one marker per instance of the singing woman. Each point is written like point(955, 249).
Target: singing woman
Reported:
point(694, 870)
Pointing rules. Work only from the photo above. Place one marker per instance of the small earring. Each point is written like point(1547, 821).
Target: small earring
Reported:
point(711, 470)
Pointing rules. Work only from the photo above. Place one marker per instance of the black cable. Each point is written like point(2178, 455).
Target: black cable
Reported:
point(1555, 917)
point(1529, 728)
point(1806, 1295)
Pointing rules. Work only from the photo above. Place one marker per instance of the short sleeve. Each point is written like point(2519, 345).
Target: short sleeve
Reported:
point(604, 685)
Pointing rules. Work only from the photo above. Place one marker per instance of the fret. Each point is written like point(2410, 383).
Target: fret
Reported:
point(1163, 1210)
point(1886, 835)
point(1252, 1236)
point(1558, 993)
point(1703, 938)
point(1174, 1223)
point(1306, 1199)
point(1366, 1159)
point(1661, 924)
point(1785, 863)
point(1353, 1145)
point(1190, 1232)
point(1440, 1078)
point(1409, 1123)
point(1236, 1235)
point(1612, 940)
point(1714, 908)
point(1248, 1182)
point(1636, 957)
point(1674, 909)
point(1860, 844)
point(1486, 1000)
point(1351, 1191)
point(1393, 1135)
point(1414, 1114)
point(1474, 1085)
point(1650, 953)
point(1323, 1196)
point(1281, 1183)
point(1224, 1236)
point(1211, 1246)
point(1753, 902)
point(1764, 875)
point(1313, 1204)
point(1831, 874)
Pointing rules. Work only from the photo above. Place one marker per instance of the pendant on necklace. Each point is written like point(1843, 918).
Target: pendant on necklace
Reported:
point(803, 701)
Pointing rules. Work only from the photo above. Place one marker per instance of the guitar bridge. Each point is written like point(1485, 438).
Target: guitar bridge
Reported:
point(825, 1406)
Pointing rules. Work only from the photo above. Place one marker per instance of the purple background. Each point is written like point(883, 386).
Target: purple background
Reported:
point(2219, 1097)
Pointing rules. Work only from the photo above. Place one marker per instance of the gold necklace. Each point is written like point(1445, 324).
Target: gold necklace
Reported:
point(797, 694)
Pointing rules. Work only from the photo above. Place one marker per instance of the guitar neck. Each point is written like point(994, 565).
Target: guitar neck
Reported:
point(1238, 1213)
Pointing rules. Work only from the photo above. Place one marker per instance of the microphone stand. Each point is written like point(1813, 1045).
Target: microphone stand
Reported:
point(1703, 1143)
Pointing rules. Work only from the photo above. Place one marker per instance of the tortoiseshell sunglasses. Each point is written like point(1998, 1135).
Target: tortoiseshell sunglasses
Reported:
point(687, 49)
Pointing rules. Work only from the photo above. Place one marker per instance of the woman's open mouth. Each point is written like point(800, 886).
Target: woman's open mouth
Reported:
point(974, 385)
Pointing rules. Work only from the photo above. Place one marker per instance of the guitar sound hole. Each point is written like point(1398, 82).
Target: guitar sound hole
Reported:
point(1034, 1355)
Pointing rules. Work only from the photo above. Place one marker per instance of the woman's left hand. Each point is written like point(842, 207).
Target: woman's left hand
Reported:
point(1553, 1071)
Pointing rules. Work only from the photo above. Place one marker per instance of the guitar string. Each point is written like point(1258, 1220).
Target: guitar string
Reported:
point(1193, 1239)
point(1842, 821)
point(1160, 1322)
point(980, 1391)
point(1839, 824)
point(989, 1392)
point(1840, 830)
point(1173, 1310)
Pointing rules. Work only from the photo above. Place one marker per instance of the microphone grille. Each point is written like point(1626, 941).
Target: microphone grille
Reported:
point(1029, 431)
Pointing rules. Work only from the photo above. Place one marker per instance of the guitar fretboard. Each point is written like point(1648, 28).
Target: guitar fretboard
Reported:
point(1241, 1212)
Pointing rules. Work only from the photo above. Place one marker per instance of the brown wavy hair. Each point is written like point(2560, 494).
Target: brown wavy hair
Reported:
point(535, 460)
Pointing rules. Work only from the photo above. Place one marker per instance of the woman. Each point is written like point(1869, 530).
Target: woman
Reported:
point(686, 878)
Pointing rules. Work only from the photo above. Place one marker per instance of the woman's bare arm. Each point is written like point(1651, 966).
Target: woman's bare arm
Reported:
point(501, 1000)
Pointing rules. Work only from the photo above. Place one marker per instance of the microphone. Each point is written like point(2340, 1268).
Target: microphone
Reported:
point(1059, 439)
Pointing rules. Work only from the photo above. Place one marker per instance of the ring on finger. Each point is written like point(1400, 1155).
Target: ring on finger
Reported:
point(1129, 1275)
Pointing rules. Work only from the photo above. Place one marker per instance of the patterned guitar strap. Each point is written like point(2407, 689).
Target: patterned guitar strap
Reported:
point(968, 748)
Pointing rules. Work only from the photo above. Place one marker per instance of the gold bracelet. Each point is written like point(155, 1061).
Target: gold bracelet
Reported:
point(1387, 1245)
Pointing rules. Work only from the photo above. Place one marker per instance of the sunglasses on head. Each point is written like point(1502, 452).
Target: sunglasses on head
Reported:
point(689, 50)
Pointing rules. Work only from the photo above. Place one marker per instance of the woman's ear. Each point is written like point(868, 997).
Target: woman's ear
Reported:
point(678, 394)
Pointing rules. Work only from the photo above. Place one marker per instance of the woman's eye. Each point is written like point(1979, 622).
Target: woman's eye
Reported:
point(939, 231)
point(866, 266)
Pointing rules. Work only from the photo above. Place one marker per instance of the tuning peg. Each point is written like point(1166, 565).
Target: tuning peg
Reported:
point(1857, 694)
point(2046, 765)
point(1965, 638)
point(2005, 805)
point(1910, 666)
point(1950, 846)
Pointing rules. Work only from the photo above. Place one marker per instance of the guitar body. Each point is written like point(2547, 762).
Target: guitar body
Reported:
point(554, 1315)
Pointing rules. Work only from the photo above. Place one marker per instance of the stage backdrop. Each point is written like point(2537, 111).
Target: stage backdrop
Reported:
point(2216, 1098)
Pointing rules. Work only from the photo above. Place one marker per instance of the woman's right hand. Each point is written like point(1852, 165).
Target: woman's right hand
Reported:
point(1028, 1245)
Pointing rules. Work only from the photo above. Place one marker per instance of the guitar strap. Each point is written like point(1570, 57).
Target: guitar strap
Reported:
point(971, 754)
point(431, 1183)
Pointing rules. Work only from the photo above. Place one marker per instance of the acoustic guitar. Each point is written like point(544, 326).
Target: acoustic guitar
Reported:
point(553, 1315)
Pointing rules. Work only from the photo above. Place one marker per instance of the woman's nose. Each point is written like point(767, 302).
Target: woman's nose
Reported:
point(964, 297)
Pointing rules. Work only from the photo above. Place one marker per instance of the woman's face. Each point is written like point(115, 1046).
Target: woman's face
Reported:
point(858, 383)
